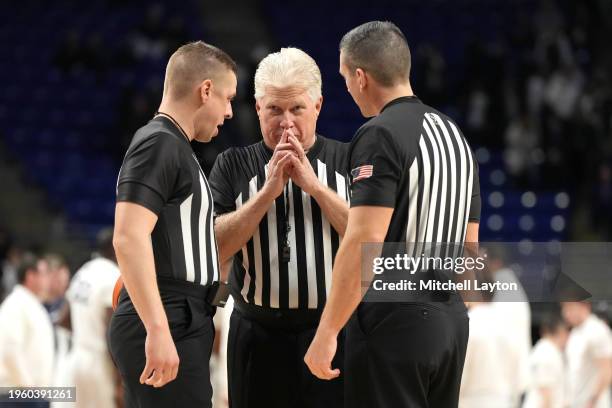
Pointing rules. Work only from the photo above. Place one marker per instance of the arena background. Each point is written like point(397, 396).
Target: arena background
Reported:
point(528, 82)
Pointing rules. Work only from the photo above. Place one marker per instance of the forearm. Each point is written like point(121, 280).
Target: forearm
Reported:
point(18, 367)
point(136, 263)
point(333, 207)
point(345, 292)
point(604, 378)
point(234, 229)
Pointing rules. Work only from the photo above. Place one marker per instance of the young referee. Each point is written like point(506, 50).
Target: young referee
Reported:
point(161, 333)
point(414, 180)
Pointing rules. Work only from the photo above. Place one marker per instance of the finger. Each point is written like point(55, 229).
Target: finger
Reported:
point(174, 373)
point(285, 161)
point(146, 373)
point(155, 378)
point(297, 146)
point(284, 146)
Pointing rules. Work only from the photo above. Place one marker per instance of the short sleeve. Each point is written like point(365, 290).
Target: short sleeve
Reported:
point(149, 172)
point(476, 204)
point(374, 168)
point(601, 343)
point(220, 181)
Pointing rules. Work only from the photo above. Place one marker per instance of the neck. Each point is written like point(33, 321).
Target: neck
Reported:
point(181, 115)
point(385, 95)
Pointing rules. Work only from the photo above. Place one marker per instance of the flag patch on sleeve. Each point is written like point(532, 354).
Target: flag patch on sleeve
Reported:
point(362, 172)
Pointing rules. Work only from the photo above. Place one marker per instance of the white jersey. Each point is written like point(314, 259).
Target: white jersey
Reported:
point(514, 317)
point(547, 370)
point(26, 341)
point(586, 344)
point(90, 295)
point(483, 383)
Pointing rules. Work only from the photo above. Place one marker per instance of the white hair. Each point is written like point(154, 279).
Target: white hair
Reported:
point(290, 67)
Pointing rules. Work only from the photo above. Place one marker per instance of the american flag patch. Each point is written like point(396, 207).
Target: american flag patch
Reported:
point(362, 172)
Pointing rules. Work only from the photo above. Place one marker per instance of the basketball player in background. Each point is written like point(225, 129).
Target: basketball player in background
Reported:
point(90, 296)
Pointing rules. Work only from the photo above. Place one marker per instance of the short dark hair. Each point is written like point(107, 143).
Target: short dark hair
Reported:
point(551, 322)
point(104, 243)
point(193, 63)
point(28, 262)
point(379, 48)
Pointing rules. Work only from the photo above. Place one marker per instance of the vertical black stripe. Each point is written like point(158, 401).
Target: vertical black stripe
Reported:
point(456, 179)
point(265, 252)
point(283, 275)
point(251, 253)
point(283, 267)
point(300, 251)
point(317, 229)
point(196, 207)
point(175, 231)
point(335, 239)
point(419, 239)
point(211, 259)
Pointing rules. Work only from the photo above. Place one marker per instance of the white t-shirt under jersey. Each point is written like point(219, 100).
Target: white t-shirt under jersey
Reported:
point(90, 295)
point(587, 343)
point(547, 370)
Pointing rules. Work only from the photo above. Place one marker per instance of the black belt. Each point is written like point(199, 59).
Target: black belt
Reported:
point(287, 319)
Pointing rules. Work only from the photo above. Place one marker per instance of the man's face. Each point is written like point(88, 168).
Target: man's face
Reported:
point(40, 281)
point(282, 109)
point(574, 313)
point(217, 108)
point(352, 86)
point(60, 279)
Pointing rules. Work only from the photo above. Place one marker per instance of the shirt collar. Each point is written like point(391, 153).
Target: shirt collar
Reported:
point(401, 99)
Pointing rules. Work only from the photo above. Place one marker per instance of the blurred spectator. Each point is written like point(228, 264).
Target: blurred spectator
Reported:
point(59, 280)
point(26, 332)
point(547, 387)
point(9, 269)
point(589, 357)
point(482, 382)
point(512, 310)
point(90, 297)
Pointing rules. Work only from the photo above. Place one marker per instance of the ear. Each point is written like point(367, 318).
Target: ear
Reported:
point(362, 79)
point(206, 88)
point(257, 107)
point(319, 104)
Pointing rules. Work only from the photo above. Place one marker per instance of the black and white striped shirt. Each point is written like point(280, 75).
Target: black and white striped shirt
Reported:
point(160, 172)
point(416, 160)
point(259, 275)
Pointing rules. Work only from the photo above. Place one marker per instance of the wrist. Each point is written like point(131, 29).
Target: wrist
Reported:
point(317, 190)
point(267, 194)
point(157, 326)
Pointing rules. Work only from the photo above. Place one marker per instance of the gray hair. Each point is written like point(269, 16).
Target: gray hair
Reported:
point(379, 48)
point(290, 67)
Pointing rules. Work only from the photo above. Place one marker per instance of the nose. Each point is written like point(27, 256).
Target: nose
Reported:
point(228, 111)
point(287, 121)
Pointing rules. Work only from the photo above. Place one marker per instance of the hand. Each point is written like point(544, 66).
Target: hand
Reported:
point(320, 354)
point(278, 167)
point(162, 359)
point(301, 171)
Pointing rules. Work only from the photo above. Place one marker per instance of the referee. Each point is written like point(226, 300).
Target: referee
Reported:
point(282, 209)
point(414, 180)
point(161, 333)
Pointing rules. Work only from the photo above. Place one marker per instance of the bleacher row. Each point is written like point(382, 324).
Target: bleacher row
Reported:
point(61, 125)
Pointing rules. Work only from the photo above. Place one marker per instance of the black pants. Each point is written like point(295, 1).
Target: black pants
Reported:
point(190, 320)
point(405, 355)
point(266, 366)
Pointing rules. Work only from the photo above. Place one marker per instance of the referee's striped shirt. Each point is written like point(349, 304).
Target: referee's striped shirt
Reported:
point(415, 160)
point(259, 274)
point(160, 172)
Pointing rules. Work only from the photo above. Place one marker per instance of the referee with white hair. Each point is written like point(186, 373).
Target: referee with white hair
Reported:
point(282, 208)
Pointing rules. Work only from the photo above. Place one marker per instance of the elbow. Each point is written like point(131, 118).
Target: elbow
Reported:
point(122, 241)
